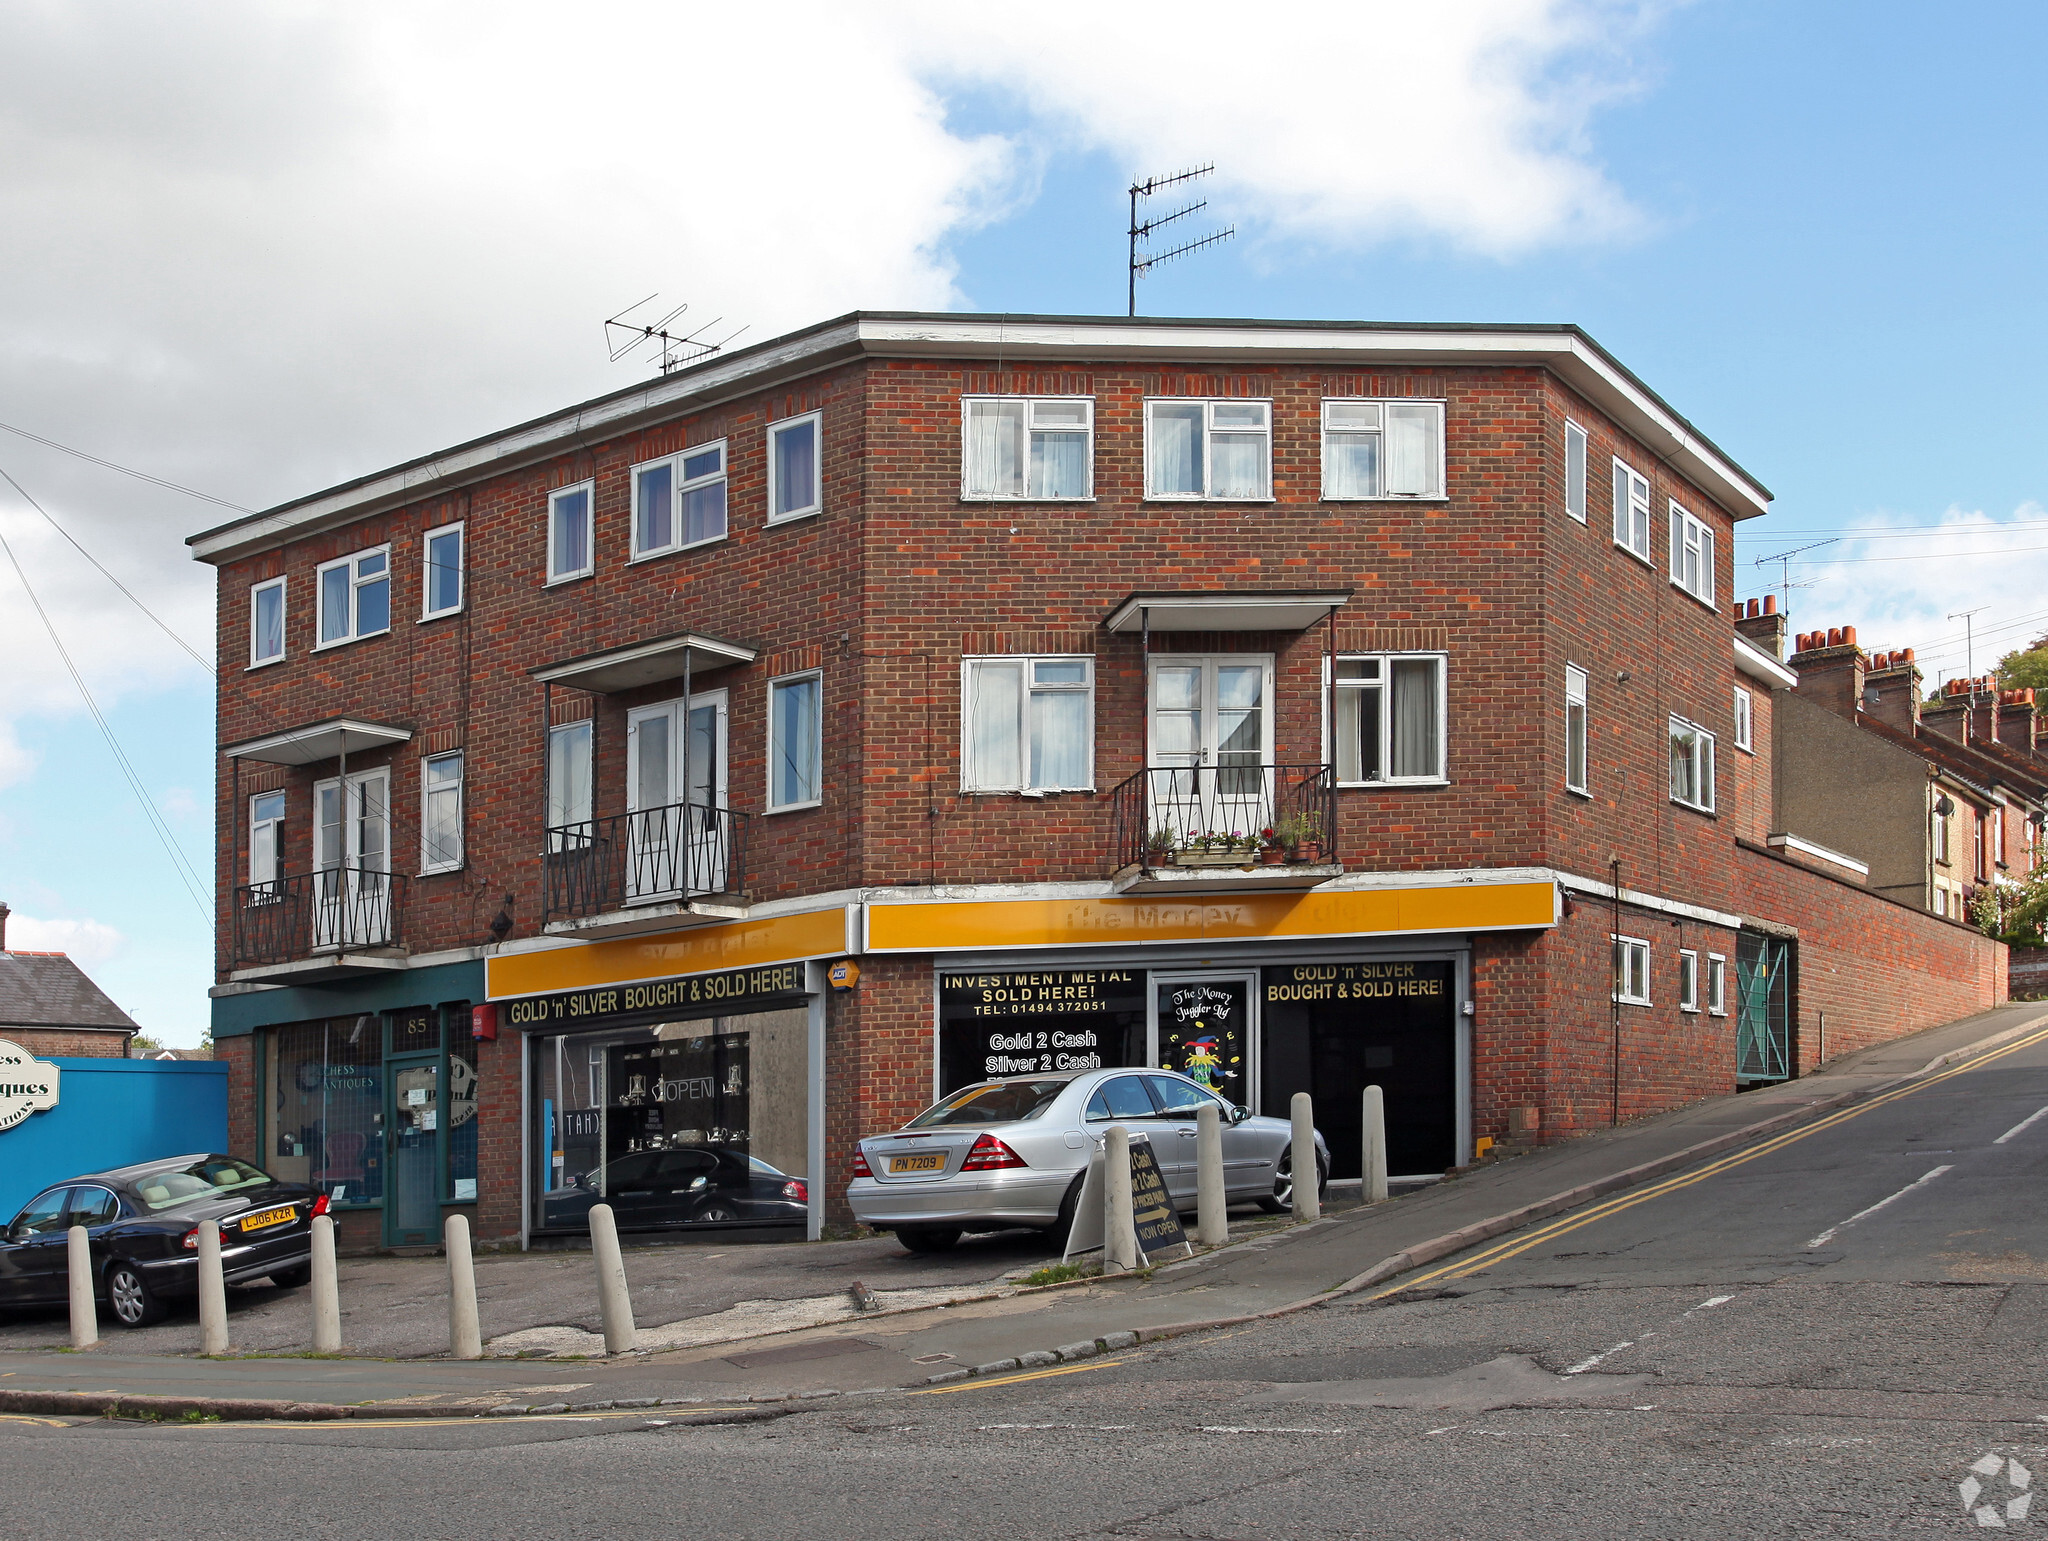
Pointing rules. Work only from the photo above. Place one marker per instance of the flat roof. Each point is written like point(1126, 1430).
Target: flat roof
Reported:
point(1563, 348)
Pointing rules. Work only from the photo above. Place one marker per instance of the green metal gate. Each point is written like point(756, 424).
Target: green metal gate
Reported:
point(1763, 1015)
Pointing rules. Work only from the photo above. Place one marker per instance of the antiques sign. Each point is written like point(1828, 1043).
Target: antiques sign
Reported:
point(27, 1084)
point(723, 994)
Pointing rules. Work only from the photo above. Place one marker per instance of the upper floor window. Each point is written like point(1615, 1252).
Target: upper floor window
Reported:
point(441, 813)
point(1386, 716)
point(1978, 865)
point(266, 839)
point(569, 537)
point(1027, 447)
point(1745, 726)
point(1998, 835)
point(793, 488)
point(1209, 449)
point(441, 583)
point(679, 501)
point(1383, 449)
point(1030, 724)
point(1575, 470)
point(1692, 555)
point(1631, 510)
point(796, 762)
point(1944, 809)
point(1631, 970)
point(1575, 729)
point(266, 622)
point(1717, 984)
point(354, 596)
point(1688, 979)
point(1692, 765)
point(569, 786)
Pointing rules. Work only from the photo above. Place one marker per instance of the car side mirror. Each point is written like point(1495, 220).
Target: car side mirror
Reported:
point(1239, 1114)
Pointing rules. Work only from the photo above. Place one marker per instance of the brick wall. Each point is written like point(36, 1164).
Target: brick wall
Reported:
point(70, 1042)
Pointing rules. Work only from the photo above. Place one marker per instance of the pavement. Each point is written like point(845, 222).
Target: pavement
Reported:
point(747, 1332)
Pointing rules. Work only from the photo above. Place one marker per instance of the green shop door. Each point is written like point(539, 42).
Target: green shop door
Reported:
point(412, 1150)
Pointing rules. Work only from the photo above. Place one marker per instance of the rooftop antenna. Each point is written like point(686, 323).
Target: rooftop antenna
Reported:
point(1784, 561)
point(1968, 618)
point(1139, 266)
point(622, 337)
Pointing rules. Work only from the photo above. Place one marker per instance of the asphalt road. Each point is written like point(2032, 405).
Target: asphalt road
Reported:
point(1826, 1335)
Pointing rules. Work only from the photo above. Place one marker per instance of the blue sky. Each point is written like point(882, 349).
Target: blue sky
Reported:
point(329, 240)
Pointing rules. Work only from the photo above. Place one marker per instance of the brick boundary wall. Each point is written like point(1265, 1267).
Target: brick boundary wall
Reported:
point(69, 1042)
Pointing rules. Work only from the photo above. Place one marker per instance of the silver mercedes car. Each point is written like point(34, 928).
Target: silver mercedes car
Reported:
point(1003, 1154)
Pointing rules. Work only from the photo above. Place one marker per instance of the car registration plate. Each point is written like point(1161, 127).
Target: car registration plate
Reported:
point(268, 1218)
point(935, 1162)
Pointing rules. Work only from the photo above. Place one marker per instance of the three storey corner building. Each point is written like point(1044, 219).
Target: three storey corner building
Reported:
point(647, 801)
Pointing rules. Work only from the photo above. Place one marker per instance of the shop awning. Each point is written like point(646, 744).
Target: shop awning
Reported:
point(646, 663)
point(318, 741)
point(1235, 610)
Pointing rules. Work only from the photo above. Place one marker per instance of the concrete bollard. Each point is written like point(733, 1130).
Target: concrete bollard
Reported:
point(1119, 1226)
point(1211, 1221)
point(613, 1302)
point(1373, 1168)
point(465, 1337)
point(213, 1292)
point(326, 1289)
point(85, 1316)
point(1308, 1204)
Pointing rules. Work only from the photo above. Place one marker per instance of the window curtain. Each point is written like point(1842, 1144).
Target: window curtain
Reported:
point(796, 748)
point(995, 707)
point(1621, 505)
point(1059, 465)
point(1351, 465)
point(1059, 739)
point(1358, 733)
point(1412, 451)
point(1415, 723)
point(1238, 463)
point(796, 467)
point(334, 609)
point(270, 623)
point(657, 522)
point(569, 774)
point(995, 449)
point(1176, 449)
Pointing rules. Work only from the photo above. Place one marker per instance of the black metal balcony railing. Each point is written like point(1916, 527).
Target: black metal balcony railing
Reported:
point(679, 852)
point(329, 910)
point(1206, 815)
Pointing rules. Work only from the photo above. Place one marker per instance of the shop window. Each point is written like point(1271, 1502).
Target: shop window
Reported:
point(1631, 971)
point(1032, 448)
point(1030, 724)
point(1386, 715)
point(441, 582)
point(1631, 510)
point(1575, 730)
point(1575, 470)
point(462, 1121)
point(1209, 449)
point(266, 622)
point(1383, 449)
point(323, 1107)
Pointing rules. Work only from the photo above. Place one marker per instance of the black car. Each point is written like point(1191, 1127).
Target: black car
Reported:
point(685, 1185)
point(143, 1225)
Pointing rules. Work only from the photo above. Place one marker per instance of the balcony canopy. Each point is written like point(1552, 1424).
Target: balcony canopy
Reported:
point(1229, 610)
point(318, 741)
point(645, 663)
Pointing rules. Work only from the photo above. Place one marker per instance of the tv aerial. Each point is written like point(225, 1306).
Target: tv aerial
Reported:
point(1786, 583)
point(1141, 265)
point(622, 337)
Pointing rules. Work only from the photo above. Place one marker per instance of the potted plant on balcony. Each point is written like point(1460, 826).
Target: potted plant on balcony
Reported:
point(1302, 835)
point(1212, 848)
point(1159, 846)
point(1271, 851)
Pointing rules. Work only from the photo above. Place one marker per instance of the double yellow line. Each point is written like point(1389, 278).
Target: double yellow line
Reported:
point(1523, 1243)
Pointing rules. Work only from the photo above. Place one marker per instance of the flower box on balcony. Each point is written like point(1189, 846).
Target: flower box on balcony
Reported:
point(1209, 858)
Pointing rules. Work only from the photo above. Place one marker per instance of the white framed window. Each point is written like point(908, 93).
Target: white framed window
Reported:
point(1717, 985)
point(1575, 730)
point(679, 500)
point(1688, 979)
point(441, 812)
point(569, 786)
point(353, 596)
point(794, 488)
point(1385, 717)
point(1029, 724)
point(1214, 450)
point(1631, 510)
point(570, 553)
point(1032, 448)
point(1382, 448)
point(1575, 470)
point(441, 578)
point(1941, 829)
point(266, 622)
point(266, 843)
point(1631, 970)
point(1692, 555)
point(796, 755)
point(1692, 765)
point(1998, 834)
point(1745, 731)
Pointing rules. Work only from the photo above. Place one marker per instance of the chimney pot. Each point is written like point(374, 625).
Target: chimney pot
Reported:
point(1770, 604)
point(4, 913)
point(1848, 636)
point(1907, 655)
point(1834, 636)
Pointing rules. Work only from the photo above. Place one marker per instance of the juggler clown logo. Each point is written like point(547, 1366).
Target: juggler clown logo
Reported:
point(1995, 1503)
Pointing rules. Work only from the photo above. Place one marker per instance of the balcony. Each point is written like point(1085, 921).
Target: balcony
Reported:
point(651, 870)
point(1199, 829)
point(314, 927)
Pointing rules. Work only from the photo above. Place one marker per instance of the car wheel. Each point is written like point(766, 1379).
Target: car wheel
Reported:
point(1281, 1200)
point(1064, 1226)
point(293, 1278)
point(928, 1238)
point(134, 1304)
point(718, 1209)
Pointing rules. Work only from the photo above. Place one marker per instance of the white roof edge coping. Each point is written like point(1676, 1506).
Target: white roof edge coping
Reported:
point(1575, 357)
point(1818, 851)
point(1759, 665)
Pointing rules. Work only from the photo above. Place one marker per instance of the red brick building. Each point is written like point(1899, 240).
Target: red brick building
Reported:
point(979, 655)
point(49, 1006)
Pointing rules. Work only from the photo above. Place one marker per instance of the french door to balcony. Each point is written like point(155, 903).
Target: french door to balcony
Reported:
point(1210, 732)
point(676, 835)
point(352, 861)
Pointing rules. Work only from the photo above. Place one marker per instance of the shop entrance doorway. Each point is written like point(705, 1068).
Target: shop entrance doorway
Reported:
point(1333, 1029)
point(412, 1136)
point(1203, 1025)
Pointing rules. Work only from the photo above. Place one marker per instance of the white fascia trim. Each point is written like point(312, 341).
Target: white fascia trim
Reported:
point(1642, 901)
point(940, 336)
point(1759, 665)
point(996, 893)
point(1818, 852)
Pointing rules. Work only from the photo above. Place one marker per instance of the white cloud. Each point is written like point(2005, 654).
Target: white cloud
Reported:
point(86, 942)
